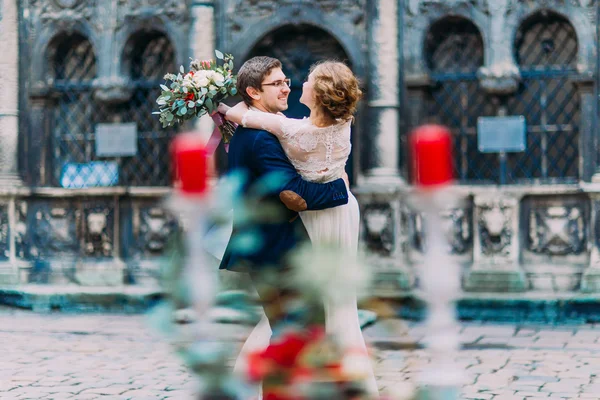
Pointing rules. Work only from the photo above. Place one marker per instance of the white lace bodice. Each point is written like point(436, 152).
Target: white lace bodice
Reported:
point(318, 154)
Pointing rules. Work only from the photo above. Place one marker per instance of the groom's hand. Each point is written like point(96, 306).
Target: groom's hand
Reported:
point(293, 201)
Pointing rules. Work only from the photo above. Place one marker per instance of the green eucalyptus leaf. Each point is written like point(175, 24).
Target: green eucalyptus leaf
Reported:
point(169, 117)
point(209, 105)
point(219, 54)
point(183, 110)
point(163, 87)
point(233, 91)
point(181, 69)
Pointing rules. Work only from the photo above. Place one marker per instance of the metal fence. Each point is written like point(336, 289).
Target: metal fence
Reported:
point(546, 52)
point(76, 113)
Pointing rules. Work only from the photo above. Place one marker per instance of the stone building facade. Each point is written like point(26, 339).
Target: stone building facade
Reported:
point(524, 223)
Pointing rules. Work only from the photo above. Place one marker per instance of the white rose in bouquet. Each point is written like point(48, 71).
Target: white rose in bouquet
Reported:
point(188, 81)
point(201, 79)
point(217, 77)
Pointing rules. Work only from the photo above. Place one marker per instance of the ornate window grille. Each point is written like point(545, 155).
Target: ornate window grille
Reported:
point(148, 56)
point(546, 51)
point(73, 68)
point(454, 50)
point(76, 113)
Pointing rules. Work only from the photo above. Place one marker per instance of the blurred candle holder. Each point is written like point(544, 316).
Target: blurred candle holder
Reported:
point(432, 170)
point(191, 279)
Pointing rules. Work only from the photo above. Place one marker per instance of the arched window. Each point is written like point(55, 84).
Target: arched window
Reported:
point(147, 57)
point(546, 51)
point(454, 53)
point(72, 68)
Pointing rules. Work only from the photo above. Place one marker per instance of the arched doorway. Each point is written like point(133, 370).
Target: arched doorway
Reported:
point(298, 47)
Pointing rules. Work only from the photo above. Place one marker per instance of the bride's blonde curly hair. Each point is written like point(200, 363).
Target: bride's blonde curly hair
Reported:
point(336, 89)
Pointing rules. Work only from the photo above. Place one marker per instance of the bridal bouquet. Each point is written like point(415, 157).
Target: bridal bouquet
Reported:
point(198, 92)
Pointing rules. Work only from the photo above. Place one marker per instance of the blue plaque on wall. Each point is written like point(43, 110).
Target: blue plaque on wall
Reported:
point(116, 140)
point(501, 134)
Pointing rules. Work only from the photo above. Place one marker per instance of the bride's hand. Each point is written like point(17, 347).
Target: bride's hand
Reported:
point(223, 108)
point(236, 113)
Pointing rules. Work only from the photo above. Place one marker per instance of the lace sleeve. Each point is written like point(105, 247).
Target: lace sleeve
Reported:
point(279, 125)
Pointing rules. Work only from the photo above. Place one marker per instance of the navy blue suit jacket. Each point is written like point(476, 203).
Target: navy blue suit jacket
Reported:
point(258, 155)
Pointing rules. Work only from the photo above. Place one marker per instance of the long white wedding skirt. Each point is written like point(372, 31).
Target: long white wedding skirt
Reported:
point(338, 225)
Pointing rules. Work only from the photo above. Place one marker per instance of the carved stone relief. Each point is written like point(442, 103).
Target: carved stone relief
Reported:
point(265, 8)
point(557, 230)
point(98, 231)
point(4, 233)
point(378, 228)
point(146, 9)
point(421, 7)
point(495, 227)
point(241, 13)
point(456, 226)
point(64, 12)
point(152, 230)
point(54, 230)
point(587, 6)
point(21, 238)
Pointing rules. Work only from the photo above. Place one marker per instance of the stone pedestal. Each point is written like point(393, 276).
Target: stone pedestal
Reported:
point(590, 281)
point(384, 239)
point(496, 246)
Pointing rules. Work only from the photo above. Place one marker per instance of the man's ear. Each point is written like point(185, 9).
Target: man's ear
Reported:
point(254, 93)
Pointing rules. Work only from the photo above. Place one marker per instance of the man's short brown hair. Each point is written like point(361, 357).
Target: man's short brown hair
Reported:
point(252, 73)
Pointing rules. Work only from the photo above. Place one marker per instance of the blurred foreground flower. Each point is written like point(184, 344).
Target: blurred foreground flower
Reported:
point(306, 364)
point(329, 273)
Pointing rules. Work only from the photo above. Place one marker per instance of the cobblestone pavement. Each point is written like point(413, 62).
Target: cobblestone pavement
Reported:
point(119, 357)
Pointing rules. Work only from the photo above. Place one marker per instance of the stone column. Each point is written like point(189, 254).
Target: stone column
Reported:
point(382, 128)
point(9, 94)
point(202, 47)
point(110, 86)
point(496, 246)
point(500, 75)
point(379, 184)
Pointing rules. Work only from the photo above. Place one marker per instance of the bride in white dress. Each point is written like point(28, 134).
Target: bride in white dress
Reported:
point(318, 147)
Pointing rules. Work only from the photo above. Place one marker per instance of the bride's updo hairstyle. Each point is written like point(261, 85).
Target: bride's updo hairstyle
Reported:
point(336, 89)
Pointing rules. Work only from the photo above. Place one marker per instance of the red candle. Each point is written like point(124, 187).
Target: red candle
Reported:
point(189, 156)
point(431, 148)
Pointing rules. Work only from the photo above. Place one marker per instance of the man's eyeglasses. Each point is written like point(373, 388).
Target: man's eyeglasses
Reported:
point(279, 84)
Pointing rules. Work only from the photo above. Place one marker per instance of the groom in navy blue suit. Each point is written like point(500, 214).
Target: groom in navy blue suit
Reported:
point(259, 157)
